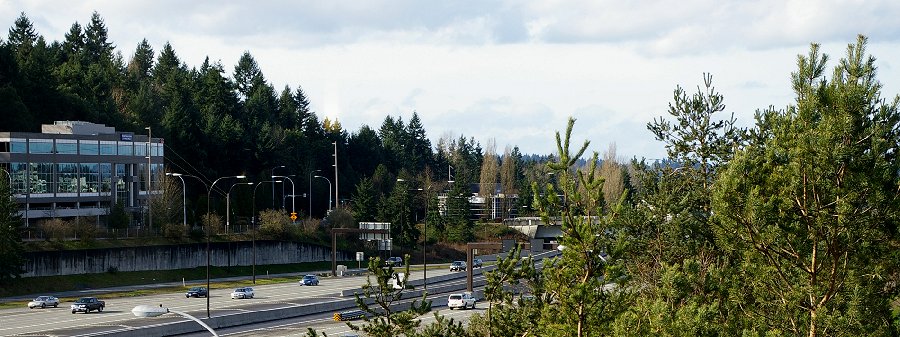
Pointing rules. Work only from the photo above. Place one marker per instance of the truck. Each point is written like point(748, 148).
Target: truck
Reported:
point(88, 304)
point(464, 301)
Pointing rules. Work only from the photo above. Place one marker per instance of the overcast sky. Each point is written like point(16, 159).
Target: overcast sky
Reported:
point(512, 71)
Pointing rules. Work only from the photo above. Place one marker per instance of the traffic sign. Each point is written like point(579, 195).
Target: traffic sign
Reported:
point(293, 216)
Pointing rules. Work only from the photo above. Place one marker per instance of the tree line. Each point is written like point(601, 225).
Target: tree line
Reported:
point(788, 227)
point(217, 122)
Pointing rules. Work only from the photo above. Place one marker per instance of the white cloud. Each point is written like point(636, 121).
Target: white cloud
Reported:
point(508, 70)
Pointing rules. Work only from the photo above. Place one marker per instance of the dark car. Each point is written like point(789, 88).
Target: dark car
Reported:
point(87, 304)
point(395, 261)
point(477, 263)
point(196, 292)
point(310, 280)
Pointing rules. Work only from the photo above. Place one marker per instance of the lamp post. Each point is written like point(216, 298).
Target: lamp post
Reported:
point(184, 192)
point(336, 195)
point(273, 186)
point(329, 192)
point(208, 195)
point(293, 204)
point(310, 191)
point(253, 221)
point(183, 197)
point(228, 205)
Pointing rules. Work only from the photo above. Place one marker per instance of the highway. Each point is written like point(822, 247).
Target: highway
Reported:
point(324, 323)
point(117, 316)
point(61, 322)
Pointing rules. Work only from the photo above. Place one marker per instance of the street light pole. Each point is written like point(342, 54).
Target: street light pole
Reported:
point(253, 222)
point(273, 186)
point(310, 191)
point(337, 202)
point(184, 194)
point(183, 197)
point(329, 192)
point(209, 195)
point(228, 205)
point(293, 204)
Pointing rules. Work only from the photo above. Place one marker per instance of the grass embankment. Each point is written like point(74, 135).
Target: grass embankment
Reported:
point(54, 284)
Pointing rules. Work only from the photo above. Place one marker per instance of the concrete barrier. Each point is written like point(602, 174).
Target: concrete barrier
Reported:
point(223, 321)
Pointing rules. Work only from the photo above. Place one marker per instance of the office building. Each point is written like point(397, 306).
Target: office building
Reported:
point(80, 169)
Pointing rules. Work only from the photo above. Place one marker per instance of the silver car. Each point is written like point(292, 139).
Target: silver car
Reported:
point(43, 302)
point(245, 292)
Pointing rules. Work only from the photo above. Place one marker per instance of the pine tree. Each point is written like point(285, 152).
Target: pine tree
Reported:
point(11, 251)
point(810, 206)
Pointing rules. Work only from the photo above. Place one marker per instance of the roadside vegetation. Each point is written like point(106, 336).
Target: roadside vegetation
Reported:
point(789, 227)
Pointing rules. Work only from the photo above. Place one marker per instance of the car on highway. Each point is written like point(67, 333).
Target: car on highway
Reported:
point(245, 292)
point(43, 302)
point(477, 263)
point(88, 304)
point(458, 266)
point(309, 280)
point(464, 301)
point(196, 292)
point(395, 261)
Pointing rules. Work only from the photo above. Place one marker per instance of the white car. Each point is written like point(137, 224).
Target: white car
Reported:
point(464, 300)
point(245, 292)
point(43, 302)
point(458, 266)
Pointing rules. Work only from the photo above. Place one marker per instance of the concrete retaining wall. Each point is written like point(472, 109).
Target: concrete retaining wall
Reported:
point(223, 254)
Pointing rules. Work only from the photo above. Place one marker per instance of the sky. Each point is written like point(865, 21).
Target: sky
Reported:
point(504, 72)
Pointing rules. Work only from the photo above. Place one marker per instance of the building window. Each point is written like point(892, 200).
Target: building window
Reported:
point(140, 149)
point(40, 146)
point(88, 147)
point(107, 148)
point(17, 145)
point(66, 146)
point(89, 180)
point(105, 177)
point(4, 145)
point(121, 191)
point(42, 178)
point(158, 149)
point(19, 173)
point(126, 149)
point(67, 177)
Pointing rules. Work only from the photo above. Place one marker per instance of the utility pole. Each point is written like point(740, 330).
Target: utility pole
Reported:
point(336, 196)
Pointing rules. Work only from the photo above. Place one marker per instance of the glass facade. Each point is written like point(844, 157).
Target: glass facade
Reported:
point(61, 175)
point(107, 148)
point(19, 173)
point(105, 177)
point(89, 178)
point(126, 148)
point(67, 173)
point(41, 178)
point(88, 147)
point(40, 146)
point(140, 149)
point(18, 145)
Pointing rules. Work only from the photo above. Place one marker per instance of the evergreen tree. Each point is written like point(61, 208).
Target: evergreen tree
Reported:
point(419, 148)
point(11, 251)
point(592, 249)
point(365, 201)
point(810, 206)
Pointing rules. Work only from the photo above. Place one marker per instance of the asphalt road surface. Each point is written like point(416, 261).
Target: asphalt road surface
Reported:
point(61, 322)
